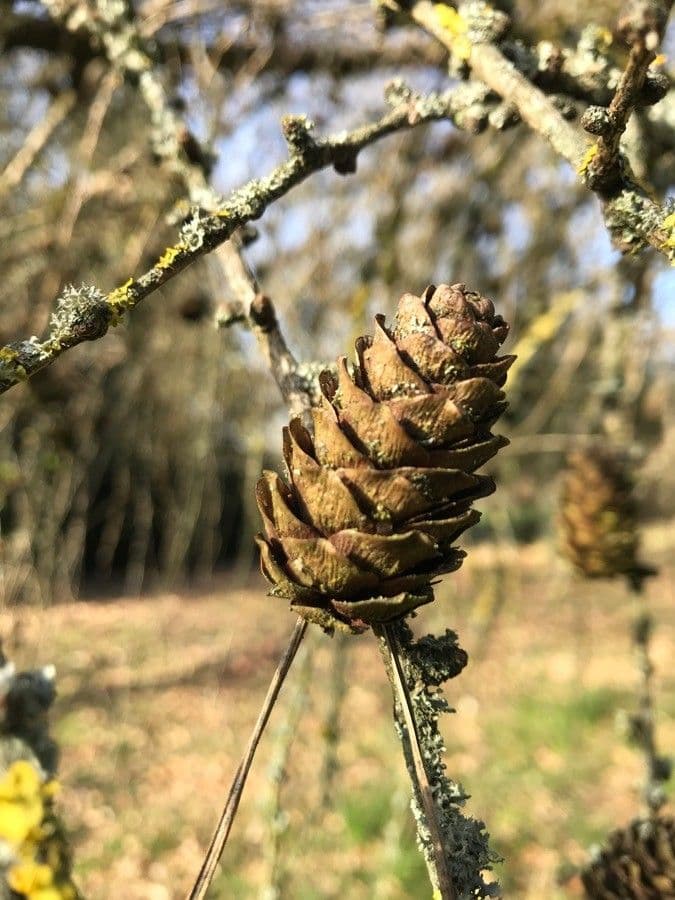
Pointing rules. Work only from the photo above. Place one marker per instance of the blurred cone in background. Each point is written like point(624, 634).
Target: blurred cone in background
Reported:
point(598, 514)
point(638, 863)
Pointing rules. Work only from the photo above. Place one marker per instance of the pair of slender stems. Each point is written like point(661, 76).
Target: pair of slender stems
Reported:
point(403, 711)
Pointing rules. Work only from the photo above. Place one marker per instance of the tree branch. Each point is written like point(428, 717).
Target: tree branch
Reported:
point(405, 716)
point(286, 55)
point(85, 313)
point(455, 847)
point(643, 28)
point(472, 34)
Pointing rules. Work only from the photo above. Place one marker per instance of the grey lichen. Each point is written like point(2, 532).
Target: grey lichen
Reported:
point(595, 120)
point(426, 664)
point(192, 232)
point(297, 131)
point(630, 220)
point(485, 24)
point(307, 375)
point(80, 312)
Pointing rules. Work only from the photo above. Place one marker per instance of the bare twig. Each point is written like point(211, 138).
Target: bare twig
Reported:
point(222, 831)
point(331, 728)
point(278, 821)
point(440, 874)
point(294, 388)
point(239, 274)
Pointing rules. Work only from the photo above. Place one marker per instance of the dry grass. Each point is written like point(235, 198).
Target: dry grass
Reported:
point(157, 697)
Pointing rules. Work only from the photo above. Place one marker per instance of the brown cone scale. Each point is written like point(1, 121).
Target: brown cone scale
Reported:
point(638, 863)
point(380, 491)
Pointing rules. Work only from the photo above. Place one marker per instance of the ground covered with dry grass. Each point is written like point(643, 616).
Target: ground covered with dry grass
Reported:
point(157, 696)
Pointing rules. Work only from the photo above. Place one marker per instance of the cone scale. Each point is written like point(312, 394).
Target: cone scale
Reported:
point(381, 490)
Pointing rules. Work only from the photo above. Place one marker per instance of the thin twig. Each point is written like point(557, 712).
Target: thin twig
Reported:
point(406, 718)
point(331, 727)
point(278, 821)
point(222, 831)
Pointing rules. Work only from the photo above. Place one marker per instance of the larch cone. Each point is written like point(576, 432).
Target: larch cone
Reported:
point(378, 495)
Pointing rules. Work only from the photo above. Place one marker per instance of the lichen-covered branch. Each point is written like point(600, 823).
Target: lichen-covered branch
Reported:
point(643, 29)
point(472, 33)
point(658, 768)
point(175, 146)
point(450, 841)
point(85, 313)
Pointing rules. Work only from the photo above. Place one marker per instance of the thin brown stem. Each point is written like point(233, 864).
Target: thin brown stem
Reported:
point(403, 710)
point(224, 826)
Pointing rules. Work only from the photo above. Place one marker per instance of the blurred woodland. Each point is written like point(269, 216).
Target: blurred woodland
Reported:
point(524, 149)
point(132, 460)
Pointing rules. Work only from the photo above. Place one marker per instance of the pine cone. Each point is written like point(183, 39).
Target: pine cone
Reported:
point(379, 494)
point(599, 516)
point(637, 864)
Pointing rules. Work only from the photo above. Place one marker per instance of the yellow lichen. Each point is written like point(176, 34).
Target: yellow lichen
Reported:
point(35, 881)
point(21, 806)
point(169, 256)
point(9, 358)
point(604, 38)
point(27, 826)
point(456, 29)
point(659, 60)
point(669, 243)
point(588, 158)
point(120, 296)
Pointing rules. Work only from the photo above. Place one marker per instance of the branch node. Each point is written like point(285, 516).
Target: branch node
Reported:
point(297, 132)
point(262, 314)
point(80, 314)
point(596, 120)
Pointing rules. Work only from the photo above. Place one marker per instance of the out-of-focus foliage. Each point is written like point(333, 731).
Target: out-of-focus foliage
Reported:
point(137, 454)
